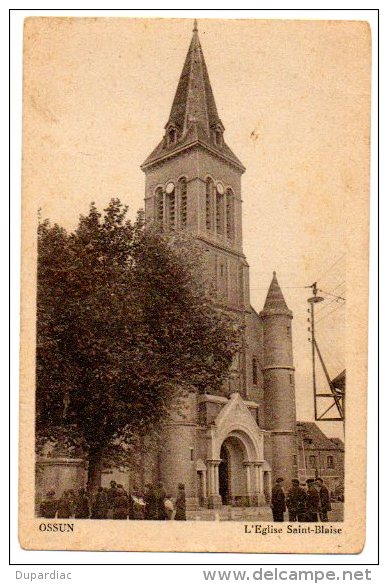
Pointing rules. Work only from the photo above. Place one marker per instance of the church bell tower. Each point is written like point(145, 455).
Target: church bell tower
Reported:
point(193, 184)
point(193, 181)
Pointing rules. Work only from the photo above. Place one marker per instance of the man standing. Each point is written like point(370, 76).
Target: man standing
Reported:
point(312, 501)
point(82, 508)
point(296, 502)
point(111, 495)
point(324, 499)
point(278, 501)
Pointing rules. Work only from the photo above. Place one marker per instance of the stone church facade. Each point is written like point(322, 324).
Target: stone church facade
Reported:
point(229, 446)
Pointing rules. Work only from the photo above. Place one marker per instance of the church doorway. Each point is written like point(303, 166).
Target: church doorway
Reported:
point(232, 473)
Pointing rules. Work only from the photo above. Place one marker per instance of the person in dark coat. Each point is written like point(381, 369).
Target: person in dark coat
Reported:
point(296, 502)
point(151, 510)
point(120, 504)
point(49, 505)
point(82, 506)
point(64, 506)
point(100, 505)
point(278, 501)
point(324, 499)
point(111, 494)
point(160, 496)
point(180, 504)
point(312, 501)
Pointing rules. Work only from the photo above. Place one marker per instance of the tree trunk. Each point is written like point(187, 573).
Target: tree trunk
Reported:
point(94, 469)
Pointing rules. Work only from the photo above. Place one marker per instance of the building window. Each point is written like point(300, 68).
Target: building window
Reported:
point(209, 204)
point(295, 460)
point(218, 137)
point(171, 136)
point(254, 371)
point(171, 208)
point(159, 206)
point(290, 378)
point(312, 461)
point(230, 214)
point(220, 213)
point(183, 201)
point(222, 270)
point(330, 462)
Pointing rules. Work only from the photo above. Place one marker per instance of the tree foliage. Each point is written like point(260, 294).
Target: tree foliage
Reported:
point(125, 326)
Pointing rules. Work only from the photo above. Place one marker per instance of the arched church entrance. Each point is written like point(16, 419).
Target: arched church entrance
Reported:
point(233, 486)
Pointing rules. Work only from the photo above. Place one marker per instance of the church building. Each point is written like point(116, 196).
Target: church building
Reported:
point(232, 444)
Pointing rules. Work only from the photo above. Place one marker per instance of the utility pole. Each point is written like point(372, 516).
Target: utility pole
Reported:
point(312, 301)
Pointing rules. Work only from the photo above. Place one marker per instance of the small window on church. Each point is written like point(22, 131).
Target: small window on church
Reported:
point(209, 204)
point(183, 201)
point(220, 213)
point(171, 207)
point(230, 214)
point(222, 270)
point(218, 137)
point(312, 461)
point(330, 462)
point(254, 371)
point(295, 460)
point(290, 378)
point(159, 206)
point(171, 137)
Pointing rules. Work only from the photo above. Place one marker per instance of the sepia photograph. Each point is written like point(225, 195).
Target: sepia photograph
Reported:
point(194, 284)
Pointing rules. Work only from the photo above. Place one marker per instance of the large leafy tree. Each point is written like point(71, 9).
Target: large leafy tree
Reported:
point(125, 326)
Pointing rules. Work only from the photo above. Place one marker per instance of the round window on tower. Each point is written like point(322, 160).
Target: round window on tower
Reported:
point(220, 188)
point(170, 188)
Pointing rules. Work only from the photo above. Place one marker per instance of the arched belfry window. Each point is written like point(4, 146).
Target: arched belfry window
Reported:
point(170, 205)
point(209, 203)
point(220, 202)
point(182, 188)
point(159, 206)
point(230, 214)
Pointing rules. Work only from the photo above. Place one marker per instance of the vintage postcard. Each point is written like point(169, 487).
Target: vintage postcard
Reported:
point(194, 285)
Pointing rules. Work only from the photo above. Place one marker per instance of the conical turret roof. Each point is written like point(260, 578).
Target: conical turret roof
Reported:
point(193, 116)
point(275, 301)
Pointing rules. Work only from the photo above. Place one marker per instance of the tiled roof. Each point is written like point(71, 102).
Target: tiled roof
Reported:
point(193, 113)
point(275, 299)
point(315, 439)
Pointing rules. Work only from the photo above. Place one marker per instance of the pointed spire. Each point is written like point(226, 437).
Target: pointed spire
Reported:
point(193, 117)
point(194, 101)
point(275, 299)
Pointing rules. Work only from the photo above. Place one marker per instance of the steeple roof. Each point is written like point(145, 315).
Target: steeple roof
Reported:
point(275, 299)
point(194, 100)
point(194, 116)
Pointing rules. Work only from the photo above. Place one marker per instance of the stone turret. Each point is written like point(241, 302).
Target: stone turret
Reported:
point(279, 385)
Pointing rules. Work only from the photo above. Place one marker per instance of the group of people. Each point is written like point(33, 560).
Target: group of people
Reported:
point(115, 503)
point(310, 503)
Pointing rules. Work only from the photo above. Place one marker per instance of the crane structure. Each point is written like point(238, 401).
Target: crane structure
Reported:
point(329, 406)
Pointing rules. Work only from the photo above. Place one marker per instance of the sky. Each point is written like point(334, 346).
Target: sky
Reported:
point(293, 97)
